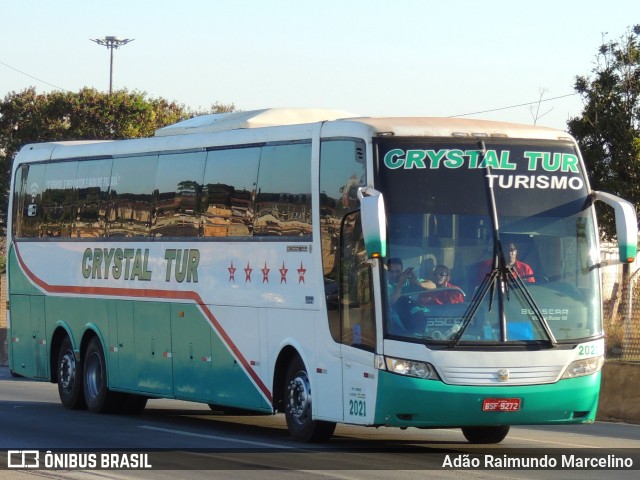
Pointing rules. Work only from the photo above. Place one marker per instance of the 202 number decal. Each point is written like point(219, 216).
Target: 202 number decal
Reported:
point(587, 350)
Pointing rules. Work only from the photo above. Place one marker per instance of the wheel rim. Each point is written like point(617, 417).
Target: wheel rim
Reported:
point(299, 398)
point(93, 377)
point(67, 372)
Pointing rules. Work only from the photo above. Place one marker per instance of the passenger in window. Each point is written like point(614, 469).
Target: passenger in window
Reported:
point(450, 293)
point(400, 280)
point(401, 283)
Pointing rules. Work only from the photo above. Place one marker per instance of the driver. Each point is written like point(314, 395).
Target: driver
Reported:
point(524, 270)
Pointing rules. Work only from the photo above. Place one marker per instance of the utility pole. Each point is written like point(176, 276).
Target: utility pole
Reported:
point(111, 43)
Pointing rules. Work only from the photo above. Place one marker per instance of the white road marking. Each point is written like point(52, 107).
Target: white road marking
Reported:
point(215, 437)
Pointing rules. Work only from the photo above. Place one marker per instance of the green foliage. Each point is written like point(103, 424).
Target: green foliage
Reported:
point(608, 131)
point(29, 117)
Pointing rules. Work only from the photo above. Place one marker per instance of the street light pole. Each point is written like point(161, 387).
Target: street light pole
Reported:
point(111, 43)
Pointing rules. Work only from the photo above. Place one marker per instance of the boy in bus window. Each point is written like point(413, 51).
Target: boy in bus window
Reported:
point(450, 293)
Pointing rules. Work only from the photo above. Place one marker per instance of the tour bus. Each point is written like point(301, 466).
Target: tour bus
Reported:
point(283, 261)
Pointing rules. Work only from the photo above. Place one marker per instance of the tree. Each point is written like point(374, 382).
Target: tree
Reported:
point(29, 117)
point(608, 131)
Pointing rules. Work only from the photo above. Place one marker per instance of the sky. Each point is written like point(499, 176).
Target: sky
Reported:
point(490, 59)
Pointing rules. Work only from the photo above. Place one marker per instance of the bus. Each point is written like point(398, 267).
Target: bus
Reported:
point(244, 261)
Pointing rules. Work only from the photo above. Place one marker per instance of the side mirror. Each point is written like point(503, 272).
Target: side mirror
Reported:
point(374, 222)
point(626, 225)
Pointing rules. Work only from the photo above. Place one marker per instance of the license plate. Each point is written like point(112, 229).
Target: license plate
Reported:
point(501, 405)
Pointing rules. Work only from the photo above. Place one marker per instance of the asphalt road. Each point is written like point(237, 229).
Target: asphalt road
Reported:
point(187, 440)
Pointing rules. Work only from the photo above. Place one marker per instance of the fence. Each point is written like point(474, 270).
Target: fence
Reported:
point(621, 309)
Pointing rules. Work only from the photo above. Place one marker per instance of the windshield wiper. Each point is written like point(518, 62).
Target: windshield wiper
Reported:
point(499, 278)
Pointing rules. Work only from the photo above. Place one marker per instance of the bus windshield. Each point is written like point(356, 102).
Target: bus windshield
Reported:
point(536, 261)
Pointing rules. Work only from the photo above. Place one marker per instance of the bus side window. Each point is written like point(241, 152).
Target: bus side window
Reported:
point(342, 171)
point(92, 195)
point(131, 196)
point(228, 192)
point(58, 199)
point(178, 191)
point(31, 201)
point(283, 207)
point(19, 187)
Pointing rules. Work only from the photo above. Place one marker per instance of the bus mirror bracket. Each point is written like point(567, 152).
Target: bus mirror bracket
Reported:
point(374, 222)
point(626, 225)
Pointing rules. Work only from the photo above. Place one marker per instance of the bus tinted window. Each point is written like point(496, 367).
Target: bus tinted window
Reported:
point(32, 201)
point(58, 199)
point(131, 196)
point(341, 173)
point(19, 187)
point(92, 190)
point(284, 207)
point(229, 189)
point(179, 195)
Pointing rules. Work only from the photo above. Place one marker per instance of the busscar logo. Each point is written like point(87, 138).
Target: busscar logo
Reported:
point(23, 459)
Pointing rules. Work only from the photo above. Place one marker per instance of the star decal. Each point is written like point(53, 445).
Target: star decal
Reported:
point(283, 274)
point(247, 273)
point(232, 273)
point(301, 271)
point(265, 273)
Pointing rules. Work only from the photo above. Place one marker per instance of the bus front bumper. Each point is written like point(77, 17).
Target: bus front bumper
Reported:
point(413, 402)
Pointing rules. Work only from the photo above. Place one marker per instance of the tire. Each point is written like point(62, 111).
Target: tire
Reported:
point(70, 388)
point(297, 407)
point(97, 395)
point(485, 434)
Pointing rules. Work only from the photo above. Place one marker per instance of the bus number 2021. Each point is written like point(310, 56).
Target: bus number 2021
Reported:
point(357, 408)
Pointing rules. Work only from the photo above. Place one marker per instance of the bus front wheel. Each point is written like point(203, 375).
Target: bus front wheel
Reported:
point(70, 378)
point(485, 434)
point(297, 407)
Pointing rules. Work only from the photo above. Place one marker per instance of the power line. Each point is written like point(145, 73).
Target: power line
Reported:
point(514, 106)
point(450, 116)
point(31, 76)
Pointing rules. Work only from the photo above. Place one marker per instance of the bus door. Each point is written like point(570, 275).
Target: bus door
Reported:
point(28, 336)
point(357, 326)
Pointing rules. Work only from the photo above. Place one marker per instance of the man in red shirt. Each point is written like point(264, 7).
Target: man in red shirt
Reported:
point(524, 270)
point(441, 276)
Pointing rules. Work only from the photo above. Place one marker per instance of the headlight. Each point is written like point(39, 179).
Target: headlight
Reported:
point(583, 367)
point(409, 368)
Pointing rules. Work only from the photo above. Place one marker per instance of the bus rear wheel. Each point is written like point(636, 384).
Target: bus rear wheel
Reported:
point(485, 434)
point(297, 407)
point(70, 388)
point(96, 393)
